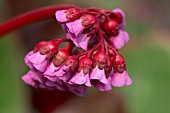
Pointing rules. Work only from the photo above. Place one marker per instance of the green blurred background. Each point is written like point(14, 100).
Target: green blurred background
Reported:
point(147, 55)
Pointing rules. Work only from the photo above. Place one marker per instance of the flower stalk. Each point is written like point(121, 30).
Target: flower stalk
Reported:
point(30, 18)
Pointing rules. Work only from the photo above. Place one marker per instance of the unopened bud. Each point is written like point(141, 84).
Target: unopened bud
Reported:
point(88, 20)
point(73, 13)
point(72, 63)
point(119, 63)
point(100, 58)
point(111, 25)
point(39, 45)
point(47, 48)
point(60, 57)
point(85, 64)
point(118, 17)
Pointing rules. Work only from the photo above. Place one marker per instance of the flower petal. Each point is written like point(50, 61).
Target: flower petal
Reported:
point(83, 41)
point(41, 67)
point(28, 79)
point(121, 79)
point(51, 69)
point(36, 58)
point(77, 27)
point(61, 16)
point(78, 78)
point(98, 74)
point(27, 61)
point(120, 40)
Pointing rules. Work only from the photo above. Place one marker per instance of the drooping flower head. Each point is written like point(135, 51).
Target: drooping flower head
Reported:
point(90, 58)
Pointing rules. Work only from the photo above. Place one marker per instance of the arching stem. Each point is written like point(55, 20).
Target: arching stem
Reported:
point(31, 17)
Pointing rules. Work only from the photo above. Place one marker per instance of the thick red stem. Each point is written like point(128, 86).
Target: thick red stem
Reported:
point(31, 17)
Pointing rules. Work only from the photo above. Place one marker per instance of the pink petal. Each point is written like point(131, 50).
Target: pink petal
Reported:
point(126, 35)
point(61, 16)
point(102, 87)
point(83, 41)
point(78, 78)
point(73, 38)
point(120, 79)
point(38, 76)
point(79, 90)
point(41, 67)
point(120, 40)
point(128, 80)
point(28, 80)
point(77, 27)
point(66, 77)
point(27, 61)
point(98, 74)
point(51, 69)
point(70, 28)
point(36, 58)
point(87, 80)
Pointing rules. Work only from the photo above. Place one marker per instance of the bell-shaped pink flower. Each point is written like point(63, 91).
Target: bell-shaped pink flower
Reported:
point(80, 78)
point(37, 61)
point(120, 40)
point(99, 80)
point(121, 79)
point(76, 27)
point(75, 33)
point(49, 73)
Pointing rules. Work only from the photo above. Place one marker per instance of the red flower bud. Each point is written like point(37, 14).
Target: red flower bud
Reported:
point(100, 59)
point(111, 25)
point(39, 45)
point(73, 13)
point(118, 17)
point(119, 64)
point(60, 57)
point(85, 64)
point(88, 20)
point(72, 63)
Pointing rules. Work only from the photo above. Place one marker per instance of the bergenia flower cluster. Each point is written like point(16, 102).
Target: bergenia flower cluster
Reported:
point(90, 57)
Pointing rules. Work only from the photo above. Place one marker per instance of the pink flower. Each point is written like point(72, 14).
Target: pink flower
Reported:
point(80, 78)
point(120, 40)
point(37, 80)
point(74, 31)
point(63, 73)
point(37, 61)
point(49, 73)
point(75, 27)
point(34, 78)
point(99, 79)
point(121, 79)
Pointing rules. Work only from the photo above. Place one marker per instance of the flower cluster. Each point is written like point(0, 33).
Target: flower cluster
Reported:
point(91, 57)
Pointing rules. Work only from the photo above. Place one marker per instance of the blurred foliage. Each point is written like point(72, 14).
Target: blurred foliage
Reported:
point(149, 67)
point(11, 93)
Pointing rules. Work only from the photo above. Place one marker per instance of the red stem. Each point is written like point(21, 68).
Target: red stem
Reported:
point(31, 17)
